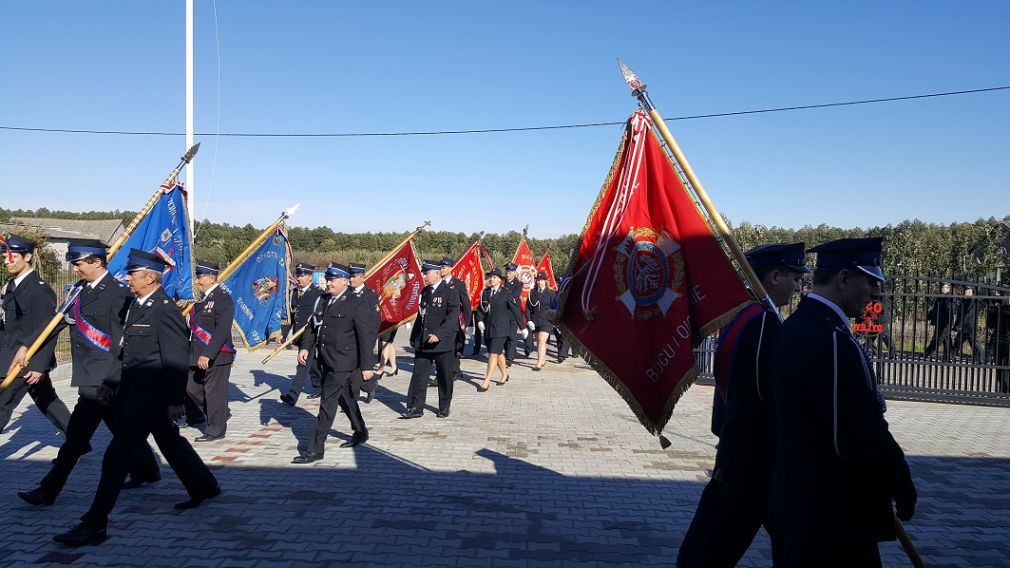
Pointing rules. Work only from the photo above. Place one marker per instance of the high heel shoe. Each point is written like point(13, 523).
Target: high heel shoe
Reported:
point(395, 372)
point(502, 383)
point(482, 388)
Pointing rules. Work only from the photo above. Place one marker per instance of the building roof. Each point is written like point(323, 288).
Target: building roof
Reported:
point(104, 230)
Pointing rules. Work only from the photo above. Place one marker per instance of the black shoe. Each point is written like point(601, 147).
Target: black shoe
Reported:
point(357, 438)
point(442, 413)
point(288, 399)
point(412, 414)
point(207, 438)
point(527, 351)
point(81, 535)
point(37, 496)
point(194, 502)
point(369, 395)
point(561, 360)
point(135, 483)
point(308, 457)
point(316, 394)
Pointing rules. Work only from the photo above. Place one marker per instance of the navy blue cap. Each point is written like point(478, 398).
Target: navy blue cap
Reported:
point(82, 249)
point(430, 265)
point(446, 261)
point(302, 269)
point(493, 272)
point(143, 260)
point(17, 244)
point(335, 270)
point(510, 266)
point(356, 268)
point(541, 275)
point(205, 267)
point(863, 254)
point(789, 255)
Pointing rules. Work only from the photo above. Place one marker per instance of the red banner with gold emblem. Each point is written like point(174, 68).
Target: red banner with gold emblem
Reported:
point(397, 281)
point(545, 266)
point(649, 280)
point(526, 271)
point(469, 270)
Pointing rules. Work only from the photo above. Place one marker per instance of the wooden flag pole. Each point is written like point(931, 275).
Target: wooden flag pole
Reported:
point(388, 256)
point(249, 250)
point(638, 91)
point(284, 345)
point(43, 336)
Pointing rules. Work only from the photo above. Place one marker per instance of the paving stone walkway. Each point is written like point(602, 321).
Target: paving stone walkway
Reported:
point(550, 469)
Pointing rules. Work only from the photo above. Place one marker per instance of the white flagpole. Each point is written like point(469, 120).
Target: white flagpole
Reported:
point(190, 169)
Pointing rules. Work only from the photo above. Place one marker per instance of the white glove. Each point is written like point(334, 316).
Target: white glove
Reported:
point(526, 333)
point(531, 325)
point(480, 326)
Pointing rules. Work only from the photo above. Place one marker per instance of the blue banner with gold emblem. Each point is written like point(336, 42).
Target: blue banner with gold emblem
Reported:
point(259, 288)
point(164, 232)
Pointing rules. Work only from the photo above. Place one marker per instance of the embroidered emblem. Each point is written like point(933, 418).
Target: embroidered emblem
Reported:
point(648, 270)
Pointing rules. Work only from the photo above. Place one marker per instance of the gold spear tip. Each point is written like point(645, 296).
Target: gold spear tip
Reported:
point(188, 156)
point(634, 83)
point(290, 211)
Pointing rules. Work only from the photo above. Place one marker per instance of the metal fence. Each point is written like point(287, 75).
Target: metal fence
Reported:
point(931, 338)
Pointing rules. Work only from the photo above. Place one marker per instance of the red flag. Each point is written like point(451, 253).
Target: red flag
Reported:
point(649, 280)
point(397, 281)
point(470, 271)
point(526, 271)
point(546, 266)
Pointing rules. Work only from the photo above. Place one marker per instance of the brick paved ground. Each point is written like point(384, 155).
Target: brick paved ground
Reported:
point(550, 469)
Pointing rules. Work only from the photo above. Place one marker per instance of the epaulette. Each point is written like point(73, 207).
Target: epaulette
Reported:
point(42, 282)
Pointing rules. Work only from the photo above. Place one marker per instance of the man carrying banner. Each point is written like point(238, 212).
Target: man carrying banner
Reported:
point(211, 354)
point(371, 298)
point(466, 311)
point(303, 302)
point(342, 333)
point(735, 502)
point(151, 396)
point(26, 305)
point(433, 339)
point(96, 331)
point(514, 285)
point(837, 467)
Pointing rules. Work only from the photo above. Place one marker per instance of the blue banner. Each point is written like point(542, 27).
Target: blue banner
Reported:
point(259, 288)
point(165, 233)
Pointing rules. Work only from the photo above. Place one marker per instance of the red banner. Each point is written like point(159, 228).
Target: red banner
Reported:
point(526, 271)
point(546, 266)
point(650, 280)
point(470, 271)
point(398, 283)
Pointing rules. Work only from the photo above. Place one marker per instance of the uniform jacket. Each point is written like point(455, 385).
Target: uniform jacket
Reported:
point(942, 313)
point(464, 299)
point(210, 329)
point(302, 309)
point(155, 351)
point(516, 287)
point(343, 333)
point(95, 320)
point(27, 309)
point(499, 312)
point(837, 466)
point(438, 314)
point(538, 307)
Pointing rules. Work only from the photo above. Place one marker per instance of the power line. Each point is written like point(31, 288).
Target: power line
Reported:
point(500, 130)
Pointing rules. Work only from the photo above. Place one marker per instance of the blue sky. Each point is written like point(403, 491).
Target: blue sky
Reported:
point(315, 66)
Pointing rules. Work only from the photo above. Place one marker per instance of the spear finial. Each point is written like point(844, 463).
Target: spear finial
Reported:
point(525, 229)
point(188, 156)
point(634, 83)
point(290, 211)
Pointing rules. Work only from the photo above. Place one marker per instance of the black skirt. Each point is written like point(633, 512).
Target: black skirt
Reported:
point(496, 345)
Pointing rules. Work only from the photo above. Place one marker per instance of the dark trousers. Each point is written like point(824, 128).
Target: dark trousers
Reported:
point(336, 391)
point(562, 345)
point(87, 415)
point(510, 347)
point(478, 338)
point(417, 393)
point(310, 370)
point(941, 336)
point(460, 346)
point(45, 399)
point(141, 416)
point(208, 396)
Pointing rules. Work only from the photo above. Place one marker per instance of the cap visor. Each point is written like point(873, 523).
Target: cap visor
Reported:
point(873, 272)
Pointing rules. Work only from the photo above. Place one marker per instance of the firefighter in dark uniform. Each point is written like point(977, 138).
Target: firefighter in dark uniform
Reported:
point(478, 335)
point(343, 332)
point(433, 339)
point(27, 304)
point(95, 319)
point(515, 286)
point(497, 313)
point(837, 467)
point(735, 502)
point(303, 300)
point(538, 306)
point(465, 309)
point(369, 296)
point(150, 395)
point(211, 354)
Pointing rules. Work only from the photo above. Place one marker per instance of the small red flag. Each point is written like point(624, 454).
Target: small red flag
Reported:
point(398, 282)
point(526, 271)
point(545, 266)
point(649, 281)
point(470, 271)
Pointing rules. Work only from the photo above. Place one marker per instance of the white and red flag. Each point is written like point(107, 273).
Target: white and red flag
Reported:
point(397, 280)
point(546, 267)
point(526, 270)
